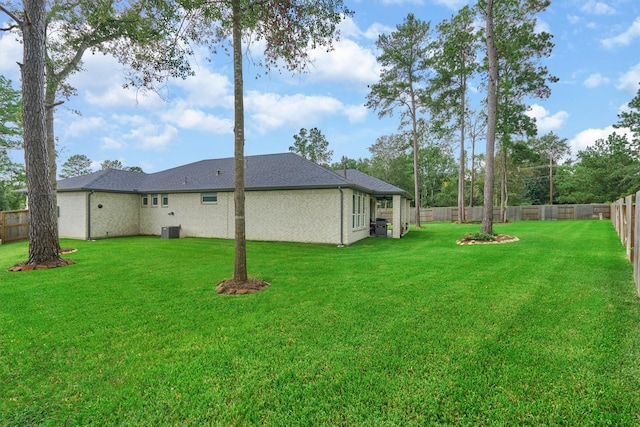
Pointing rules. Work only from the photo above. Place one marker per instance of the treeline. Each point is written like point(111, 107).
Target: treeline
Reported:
point(540, 170)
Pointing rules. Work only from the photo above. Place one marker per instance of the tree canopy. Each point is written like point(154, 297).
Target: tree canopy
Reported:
point(312, 145)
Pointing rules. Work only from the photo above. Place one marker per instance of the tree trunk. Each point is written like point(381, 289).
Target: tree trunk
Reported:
point(240, 261)
point(473, 170)
point(416, 177)
point(492, 107)
point(43, 230)
point(49, 100)
point(550, 179)
point(461, 203)
point(504, 195)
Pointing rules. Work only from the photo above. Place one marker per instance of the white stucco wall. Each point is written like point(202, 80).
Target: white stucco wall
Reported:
point(294, 216)
point(118, 216)
point(194, 218)
point(310, 216)
point(72, 220)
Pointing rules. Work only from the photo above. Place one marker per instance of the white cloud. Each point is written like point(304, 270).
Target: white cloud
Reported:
point(595, 80)
point(116, 96)
point(573, 19)
point(348, 62)
point(270, 111)
point(625, 38)
point(208, 89)
point(393, 2)
point(190, 118)
point(356, 113)
point(544, 121)
point(452, 4)
point(109, 143)
point(83, 125)
point(588, 137)
point(152, 137)
point(597, 8)
point(542, 26)
point(10, 55)
point(630, 81)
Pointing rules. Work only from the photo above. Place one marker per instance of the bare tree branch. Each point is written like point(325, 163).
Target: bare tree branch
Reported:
point(19, 21)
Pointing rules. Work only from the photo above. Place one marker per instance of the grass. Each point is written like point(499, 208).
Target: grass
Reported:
point(417, 331)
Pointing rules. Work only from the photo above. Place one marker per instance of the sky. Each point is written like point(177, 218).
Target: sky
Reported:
point(596, 58)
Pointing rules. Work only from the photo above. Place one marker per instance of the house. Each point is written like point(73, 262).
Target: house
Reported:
point(287, 198)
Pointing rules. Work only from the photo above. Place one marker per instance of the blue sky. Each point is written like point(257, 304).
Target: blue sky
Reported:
point(596, 57)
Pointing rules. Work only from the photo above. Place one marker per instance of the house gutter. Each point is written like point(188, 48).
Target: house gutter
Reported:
point(341, 245)
point(89, 215)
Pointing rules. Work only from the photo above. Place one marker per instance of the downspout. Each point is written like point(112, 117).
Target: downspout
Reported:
point(89, 216)
point(341, 245)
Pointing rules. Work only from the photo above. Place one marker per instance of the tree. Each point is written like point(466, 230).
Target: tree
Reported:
point(631, 119)
point(76, 165)
point(111, 164)
point(11, 174)
point(405, 58)
point(312, 145)
point(476, 127)
point(604, 172)
point(288, 29)
point(391, 160)
point(521, 76)
point(12, 178)
point(455, 63)
point(492, 117)
point(552, 148)
point(43, 230)
point(514, 50)
point(144, 36)
point(134, 169)
point(10, 116)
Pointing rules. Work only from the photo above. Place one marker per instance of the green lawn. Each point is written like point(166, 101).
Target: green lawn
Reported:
point(417, 331)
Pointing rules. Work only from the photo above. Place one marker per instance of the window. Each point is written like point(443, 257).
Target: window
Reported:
point(209, 198)
point(165, 200)
point(145, 200)
point(359, 210)
point(154, 200)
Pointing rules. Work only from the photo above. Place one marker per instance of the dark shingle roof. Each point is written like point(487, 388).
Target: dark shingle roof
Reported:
point(264, 172)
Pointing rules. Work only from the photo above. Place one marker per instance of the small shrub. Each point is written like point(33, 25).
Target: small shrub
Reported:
point(479, 236)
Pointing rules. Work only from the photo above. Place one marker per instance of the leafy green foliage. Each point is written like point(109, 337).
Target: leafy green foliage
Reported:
point(478, 235)
point(631, 119)
point(418, 331)
point(111, 164)
point(312, 145)
point(604, 172)
point(10, 115)
point(76, 165)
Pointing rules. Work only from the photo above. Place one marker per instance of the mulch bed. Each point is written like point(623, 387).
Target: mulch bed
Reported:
point(60, 262)
point(500, 238)
point(235, 287)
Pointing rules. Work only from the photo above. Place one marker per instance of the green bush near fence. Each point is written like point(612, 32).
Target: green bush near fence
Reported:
point(416, 331)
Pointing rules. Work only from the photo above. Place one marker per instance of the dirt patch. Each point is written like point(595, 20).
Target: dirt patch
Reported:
point(500, 238)
point(235, 287)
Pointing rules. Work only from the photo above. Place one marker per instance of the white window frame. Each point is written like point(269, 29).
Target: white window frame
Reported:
point(359, 211)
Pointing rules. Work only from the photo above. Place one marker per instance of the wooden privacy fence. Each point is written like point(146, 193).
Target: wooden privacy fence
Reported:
point(514, 213)
point(625, 214)
point(14, 226)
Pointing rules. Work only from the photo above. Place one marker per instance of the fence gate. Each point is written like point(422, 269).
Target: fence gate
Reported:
point(14, 226)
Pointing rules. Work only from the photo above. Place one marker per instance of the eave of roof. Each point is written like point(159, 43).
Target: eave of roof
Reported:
point(285, 171)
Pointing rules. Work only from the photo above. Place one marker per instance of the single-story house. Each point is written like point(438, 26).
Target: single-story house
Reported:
point(287, 198)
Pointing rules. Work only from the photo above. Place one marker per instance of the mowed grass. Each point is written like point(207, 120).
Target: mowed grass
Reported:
point(417, 331)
